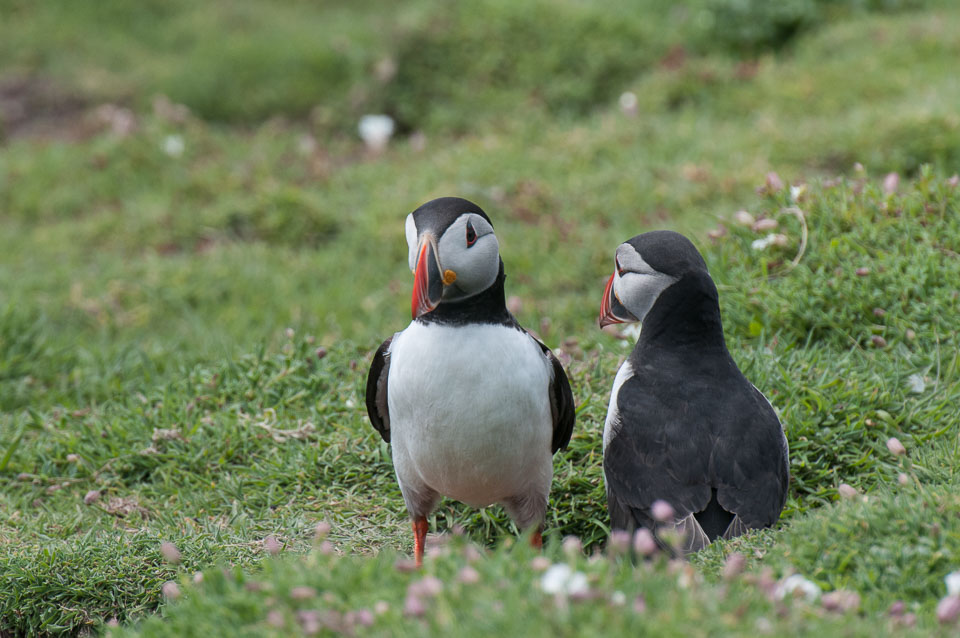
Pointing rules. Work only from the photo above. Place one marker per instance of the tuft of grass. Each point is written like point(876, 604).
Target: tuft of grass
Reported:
point(895, 542)
point(504, 594)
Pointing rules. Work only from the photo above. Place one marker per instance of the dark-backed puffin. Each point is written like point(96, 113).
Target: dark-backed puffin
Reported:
point(472, 404)
point(684, 425)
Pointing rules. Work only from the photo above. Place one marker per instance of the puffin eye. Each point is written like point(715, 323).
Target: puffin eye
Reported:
point(620, 270)
point(471, 235)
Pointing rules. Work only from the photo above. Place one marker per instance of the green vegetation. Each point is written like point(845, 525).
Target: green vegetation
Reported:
point(154, 258)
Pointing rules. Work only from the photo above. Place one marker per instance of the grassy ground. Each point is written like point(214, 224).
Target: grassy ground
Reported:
point(154, 259)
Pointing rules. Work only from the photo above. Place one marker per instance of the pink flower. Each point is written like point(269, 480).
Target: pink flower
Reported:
point(427, 587)
point(618, 543)
point(841, 600)
point(272, 545)
point(895, 446)
point(948, 610)
point(572, 545)
point(773, 182)
point(170, 552)
point(413, 606)
point(303, 592)
point(890, 183)
point(468, 576)
point(847, 491)
point(662, 511)
point(644, 543)
point(766, 223)
point(733, 566)
point(170, 590)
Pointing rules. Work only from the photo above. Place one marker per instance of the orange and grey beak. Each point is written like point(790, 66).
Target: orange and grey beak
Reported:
point(611, 310)
point(427, 280)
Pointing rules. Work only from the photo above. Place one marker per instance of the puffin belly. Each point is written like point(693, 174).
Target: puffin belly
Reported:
point(470, 411)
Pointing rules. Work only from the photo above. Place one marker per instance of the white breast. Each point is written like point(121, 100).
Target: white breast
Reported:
point(612, 425)
point(470, 411)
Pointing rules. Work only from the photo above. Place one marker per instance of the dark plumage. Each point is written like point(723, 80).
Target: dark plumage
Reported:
point(684, 425)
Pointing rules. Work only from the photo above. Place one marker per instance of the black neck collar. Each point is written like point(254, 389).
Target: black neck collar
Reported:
point(489, 306)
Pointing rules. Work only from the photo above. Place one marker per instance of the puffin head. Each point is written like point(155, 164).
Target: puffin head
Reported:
point(453, 252)
point(645, 266)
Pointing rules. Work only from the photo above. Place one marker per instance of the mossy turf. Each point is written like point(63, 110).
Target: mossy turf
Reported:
point(189, 298)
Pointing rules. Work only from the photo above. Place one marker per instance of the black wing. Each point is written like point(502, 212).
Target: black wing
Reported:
point(754, 484)
point(714, 436)
point(562, 406)
point(377, 390)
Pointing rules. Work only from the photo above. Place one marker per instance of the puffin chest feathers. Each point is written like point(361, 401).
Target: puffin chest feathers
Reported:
point(469, 409)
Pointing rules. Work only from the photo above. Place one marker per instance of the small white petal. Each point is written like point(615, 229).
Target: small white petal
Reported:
point(554, 580)
point(743, 218)
point(916, 383)
point(796, 582)
point(173, 145)
point(376, 131)
point(953, 583)
point(561, 579)
point(628, 103)
point(578, 584)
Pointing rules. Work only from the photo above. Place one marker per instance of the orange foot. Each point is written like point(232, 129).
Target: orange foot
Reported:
point(419, 538)
point(536, 539)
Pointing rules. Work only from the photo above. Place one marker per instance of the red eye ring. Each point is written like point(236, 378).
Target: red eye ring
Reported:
point(471, 235)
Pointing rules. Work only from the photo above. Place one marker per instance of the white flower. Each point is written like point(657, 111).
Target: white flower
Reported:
point(916, 383)
point(561, 579)
point(173, 145)
point(953, 583)
point(773, 239)
point(350, 403)
point(796, 192)
point(631, 331)
point(796, 582)
point(376, 131)
point(628, 103)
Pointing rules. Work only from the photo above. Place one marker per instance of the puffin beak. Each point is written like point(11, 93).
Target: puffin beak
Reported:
point(427, 280)
point(611, 310)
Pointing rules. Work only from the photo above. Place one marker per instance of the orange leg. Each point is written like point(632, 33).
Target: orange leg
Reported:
point(419, 538)
point(536, 539)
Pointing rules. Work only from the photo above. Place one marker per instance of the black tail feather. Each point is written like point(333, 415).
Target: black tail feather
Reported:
point(714, 519)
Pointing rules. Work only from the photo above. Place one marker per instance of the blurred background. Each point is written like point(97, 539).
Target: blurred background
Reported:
point(183, 181)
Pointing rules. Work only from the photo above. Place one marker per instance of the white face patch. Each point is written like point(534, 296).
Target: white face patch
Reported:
point(410, 229)
point(476, 265)
point(640, 285)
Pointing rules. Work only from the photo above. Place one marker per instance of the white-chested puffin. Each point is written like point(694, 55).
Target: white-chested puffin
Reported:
point(684, 425)
point(473, 405)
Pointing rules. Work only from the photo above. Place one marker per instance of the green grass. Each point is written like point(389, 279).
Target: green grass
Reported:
point(145, 297)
